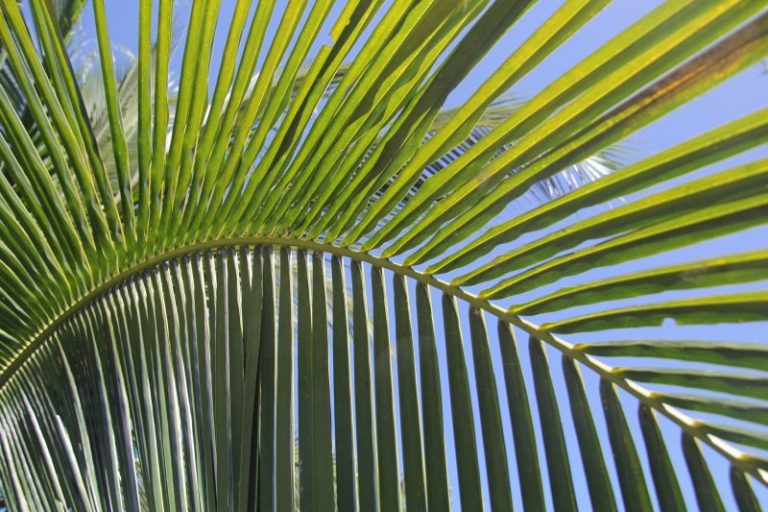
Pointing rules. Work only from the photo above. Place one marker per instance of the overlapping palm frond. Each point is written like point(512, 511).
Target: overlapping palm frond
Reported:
point(261, 270)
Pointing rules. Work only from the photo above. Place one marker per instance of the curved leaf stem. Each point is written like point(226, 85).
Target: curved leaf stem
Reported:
point(689, 425)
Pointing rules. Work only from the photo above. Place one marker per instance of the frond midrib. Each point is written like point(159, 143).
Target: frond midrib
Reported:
point(645, 396)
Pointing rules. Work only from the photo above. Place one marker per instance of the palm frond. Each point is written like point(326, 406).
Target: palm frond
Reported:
point(270, 286)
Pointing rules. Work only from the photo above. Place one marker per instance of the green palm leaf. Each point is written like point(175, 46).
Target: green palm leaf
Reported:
point(221, 294)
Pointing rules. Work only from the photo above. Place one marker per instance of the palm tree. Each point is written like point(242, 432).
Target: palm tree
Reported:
point(192, 278)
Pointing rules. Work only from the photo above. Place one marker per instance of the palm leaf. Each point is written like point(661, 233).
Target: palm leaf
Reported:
point(221, 296)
